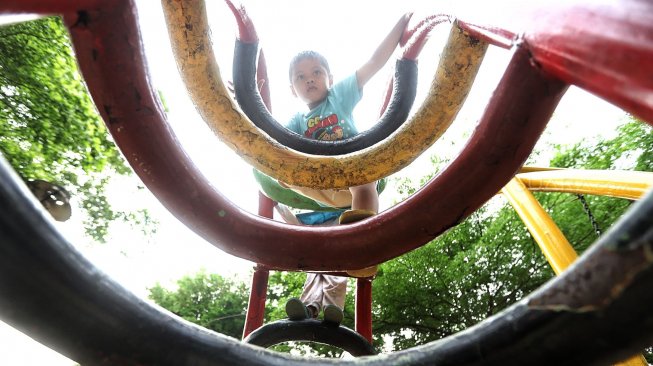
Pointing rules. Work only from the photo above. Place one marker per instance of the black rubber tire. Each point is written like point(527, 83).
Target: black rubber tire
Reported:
point(311, 330)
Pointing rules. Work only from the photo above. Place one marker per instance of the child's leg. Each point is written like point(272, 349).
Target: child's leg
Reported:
point(309, 305)
point(335, 289)
point(365, 197)
point(312, 294)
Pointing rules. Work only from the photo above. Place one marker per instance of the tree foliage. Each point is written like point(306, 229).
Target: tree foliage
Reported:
point(49, 127)
point(210, 300)
point(470, 273)
point(490, 261)
point(631, 149)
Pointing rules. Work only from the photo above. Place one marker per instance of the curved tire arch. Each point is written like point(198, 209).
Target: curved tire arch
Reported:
point(310, 330)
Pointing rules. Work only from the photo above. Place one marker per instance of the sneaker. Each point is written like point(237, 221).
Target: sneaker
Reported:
point(295, 309)
point(333, 314)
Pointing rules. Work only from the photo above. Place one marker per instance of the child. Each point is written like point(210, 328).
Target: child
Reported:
point(330, 118)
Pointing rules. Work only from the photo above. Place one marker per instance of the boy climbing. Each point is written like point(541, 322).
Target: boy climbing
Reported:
point(330, 117)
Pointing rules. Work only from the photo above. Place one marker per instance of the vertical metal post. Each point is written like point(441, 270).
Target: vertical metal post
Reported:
point(363, 317)
point(257, 296)
point(265, 206)
point(258, 293)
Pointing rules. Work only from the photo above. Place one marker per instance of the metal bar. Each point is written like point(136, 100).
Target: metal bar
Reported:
point(614, 183)
point(604, 47)
point(256, 304)
point(546, 233)
point(265, 206)
point(554, 245)
point(363, 316)
point(258, 292)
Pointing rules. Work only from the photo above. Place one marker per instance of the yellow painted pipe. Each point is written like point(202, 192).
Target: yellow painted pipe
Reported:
point(614, 183)
point(555, 246)
point(546, 233)
point(528, 169)
point(459, 64)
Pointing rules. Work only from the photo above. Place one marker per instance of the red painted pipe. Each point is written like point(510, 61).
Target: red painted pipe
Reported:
point(604, 47)
point(566, 43)
point(246, 29)
point(363, 318)
point(258, 292)
point(256, 305)
point(265, 206)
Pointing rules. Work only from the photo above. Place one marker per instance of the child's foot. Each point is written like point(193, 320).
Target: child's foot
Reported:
point(350, 216)
point(296, 309)
point(333, 314)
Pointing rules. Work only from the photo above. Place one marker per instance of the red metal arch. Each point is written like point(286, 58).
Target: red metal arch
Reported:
point(112, 61)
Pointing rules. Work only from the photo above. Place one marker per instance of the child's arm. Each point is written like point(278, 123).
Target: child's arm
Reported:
point(382, 53)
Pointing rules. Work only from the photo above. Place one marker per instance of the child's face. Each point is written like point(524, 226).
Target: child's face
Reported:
point(310, 81)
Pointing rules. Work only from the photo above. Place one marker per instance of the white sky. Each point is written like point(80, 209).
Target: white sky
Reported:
point(347, 38)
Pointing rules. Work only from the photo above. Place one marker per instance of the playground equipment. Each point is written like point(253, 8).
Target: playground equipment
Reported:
point(596, 312)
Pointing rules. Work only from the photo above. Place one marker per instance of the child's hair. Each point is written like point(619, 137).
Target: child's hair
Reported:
point(304, 55)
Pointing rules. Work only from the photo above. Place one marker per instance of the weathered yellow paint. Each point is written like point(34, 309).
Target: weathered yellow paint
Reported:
point(546, 233)
point(528, 169)
point(555, 246)
point(189, 34)
point(613, 183)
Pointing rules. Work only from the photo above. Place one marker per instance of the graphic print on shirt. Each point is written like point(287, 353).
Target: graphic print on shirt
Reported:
point(325, 129)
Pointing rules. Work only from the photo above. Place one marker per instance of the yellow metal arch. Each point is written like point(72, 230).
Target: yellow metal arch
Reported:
point(454, 77)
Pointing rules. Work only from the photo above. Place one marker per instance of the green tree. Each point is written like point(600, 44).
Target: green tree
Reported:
point(210, 300)
point(629, 150)
point(218, 303)
point(49, 127)
point(490, 261)
point(470, 273)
